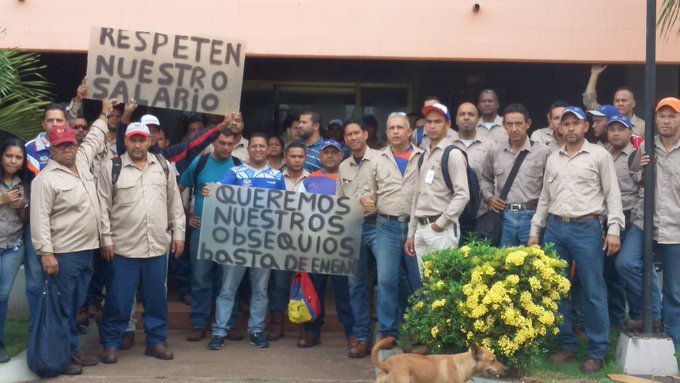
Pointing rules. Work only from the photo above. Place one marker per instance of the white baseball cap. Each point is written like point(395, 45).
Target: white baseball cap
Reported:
point(137, 128)
point(149, 119)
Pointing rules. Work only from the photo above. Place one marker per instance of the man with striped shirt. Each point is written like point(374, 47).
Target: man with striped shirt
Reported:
point(310, 123)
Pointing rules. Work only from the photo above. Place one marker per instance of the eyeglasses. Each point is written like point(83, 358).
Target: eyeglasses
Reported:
point(80, 127)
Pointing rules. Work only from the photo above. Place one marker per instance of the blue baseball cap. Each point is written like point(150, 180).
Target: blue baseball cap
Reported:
point(622, 119)
point(608, 111)
point(576, 111)
point(331, 144)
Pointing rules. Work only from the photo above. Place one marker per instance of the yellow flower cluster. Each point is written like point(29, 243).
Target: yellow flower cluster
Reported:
point(440, 285)
point(439, 303)
point(434, 331)
point(427, 269)
point(465, 250)
point(516, 258)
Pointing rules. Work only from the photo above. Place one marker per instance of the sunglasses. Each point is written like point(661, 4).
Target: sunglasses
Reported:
point(80, 127)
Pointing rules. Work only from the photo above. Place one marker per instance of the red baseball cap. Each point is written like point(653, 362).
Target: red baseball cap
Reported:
point(61, 134)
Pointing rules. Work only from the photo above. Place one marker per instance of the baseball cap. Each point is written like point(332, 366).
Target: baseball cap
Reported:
point(608, 111)
point(150, 119)
point(669, 101)
point(331, 144)
point(61, 134)
point(574, 110)
point(622, 119)
point(137, 128)
point(336, 121)
point(439, 108)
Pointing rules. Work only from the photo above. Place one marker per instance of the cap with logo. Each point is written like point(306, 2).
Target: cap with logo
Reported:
point(150, 119)
point(439, 108)
point(671, 102)
point(620, 119)
point(137, 129)
point(331, 144)
point(608, 111)
point(62, 134)
point(575, 111)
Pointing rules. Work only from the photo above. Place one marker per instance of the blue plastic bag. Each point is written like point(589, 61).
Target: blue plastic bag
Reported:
point(49, 352)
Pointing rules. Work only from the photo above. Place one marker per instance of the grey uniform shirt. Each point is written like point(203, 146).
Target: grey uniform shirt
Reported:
point(354, 180)
point(543, 136)
point(476, 154)
point(666, 195)
point(529, 180)
point(497, 132)
point(580, 185)
point(294, 185)
point(394, 192)
point(628, 179)
point(432, 197)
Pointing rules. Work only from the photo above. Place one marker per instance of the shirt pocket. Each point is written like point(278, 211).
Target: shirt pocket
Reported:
point(127, 192)
point(159, 185)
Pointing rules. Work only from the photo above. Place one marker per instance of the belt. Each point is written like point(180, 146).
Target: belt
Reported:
point(521, 206)
point(370, 220)
point(428, 219)
point(401, 219)
point(581, 219)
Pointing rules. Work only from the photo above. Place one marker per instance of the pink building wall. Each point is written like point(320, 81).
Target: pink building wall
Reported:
point(503, 30)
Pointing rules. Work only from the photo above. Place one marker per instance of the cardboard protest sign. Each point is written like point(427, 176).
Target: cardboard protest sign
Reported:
point(281, 230)
point(189, 73)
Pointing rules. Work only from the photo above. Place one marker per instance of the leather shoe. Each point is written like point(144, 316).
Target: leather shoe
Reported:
point(350, 341)
point(360, 349)
point(196, 334)
point(159, 351)
point(84, 360)
point(307, 340)
point(109, 356)
point(127, 340)
point(562, 357)
point(591, 366)
point(234, 335)
point(73, 369)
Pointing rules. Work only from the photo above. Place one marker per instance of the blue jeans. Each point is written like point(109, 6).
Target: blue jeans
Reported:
point(224, 308)
point(629, 265)
point(95, 291)
point(581, 243)
point(358, 284)
point(279, 290)
point(342, 307)
point(10, 261)
point(33, 273)
point(390, 256)
point(670, 254)
point(72, 280)
point(180, 270)
point(516, 226)
point(205, 279)
point(121, 284)
point(616, 289)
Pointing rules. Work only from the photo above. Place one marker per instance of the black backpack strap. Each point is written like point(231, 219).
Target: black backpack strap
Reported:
point(445, 164)
point(631, 158)
point(199, 167)
point(513, 174)
point(237, 162)
point(420, 161)
point(164, 164)
point(116, 165)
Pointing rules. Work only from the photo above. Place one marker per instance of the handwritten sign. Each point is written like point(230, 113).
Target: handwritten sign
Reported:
point(281, 230)
point(189, 73)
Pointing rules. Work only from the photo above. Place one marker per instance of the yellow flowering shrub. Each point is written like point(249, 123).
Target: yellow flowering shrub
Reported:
point(504, 299)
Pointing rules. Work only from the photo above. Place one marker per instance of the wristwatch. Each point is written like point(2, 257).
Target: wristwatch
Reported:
point(106, 115)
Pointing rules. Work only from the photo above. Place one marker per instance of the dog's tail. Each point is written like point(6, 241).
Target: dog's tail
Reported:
point(378, 346)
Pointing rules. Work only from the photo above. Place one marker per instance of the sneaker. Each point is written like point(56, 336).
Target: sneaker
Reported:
point(217, 342)
point(258, 339)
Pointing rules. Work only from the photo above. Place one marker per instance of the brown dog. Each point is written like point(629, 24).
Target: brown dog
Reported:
point(458, 368)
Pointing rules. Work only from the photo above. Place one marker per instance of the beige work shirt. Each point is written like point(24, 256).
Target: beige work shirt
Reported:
point(65, 214)
point(628, 179)
point(294, 185)
point(543, 136)
point(395, 192)
point(580, 185)
point(666, 195)
point(354, 180)
point(590, 102)
point(138, 211)
point(11, 225)
point(497, 132)
point(529, 180)
point(476, 154)
point(432, 196)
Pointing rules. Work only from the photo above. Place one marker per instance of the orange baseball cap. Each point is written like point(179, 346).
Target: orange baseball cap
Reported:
point(669, 101)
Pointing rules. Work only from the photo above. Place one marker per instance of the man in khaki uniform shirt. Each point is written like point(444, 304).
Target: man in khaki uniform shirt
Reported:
point(550, 134)
point(490, 125)
point(65, 220)
point(394, 180)
point(579, 188)
point(666, 221)
point(436, 208)
point(137, 211)
point(354, 177)
point(520, 205)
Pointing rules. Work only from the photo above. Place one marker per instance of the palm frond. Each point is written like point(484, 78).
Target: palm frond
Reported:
point(669, 16)
point(24, 92)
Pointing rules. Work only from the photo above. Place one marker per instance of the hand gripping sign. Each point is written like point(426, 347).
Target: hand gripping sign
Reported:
point(281, 230)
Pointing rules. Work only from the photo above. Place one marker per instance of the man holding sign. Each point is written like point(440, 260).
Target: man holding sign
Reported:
point(255, 173)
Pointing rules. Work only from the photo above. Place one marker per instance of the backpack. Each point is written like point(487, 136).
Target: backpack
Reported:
point(469, 214)
point(49, 352)
point(304, 305)
point(204, 160)
point(118, 165)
